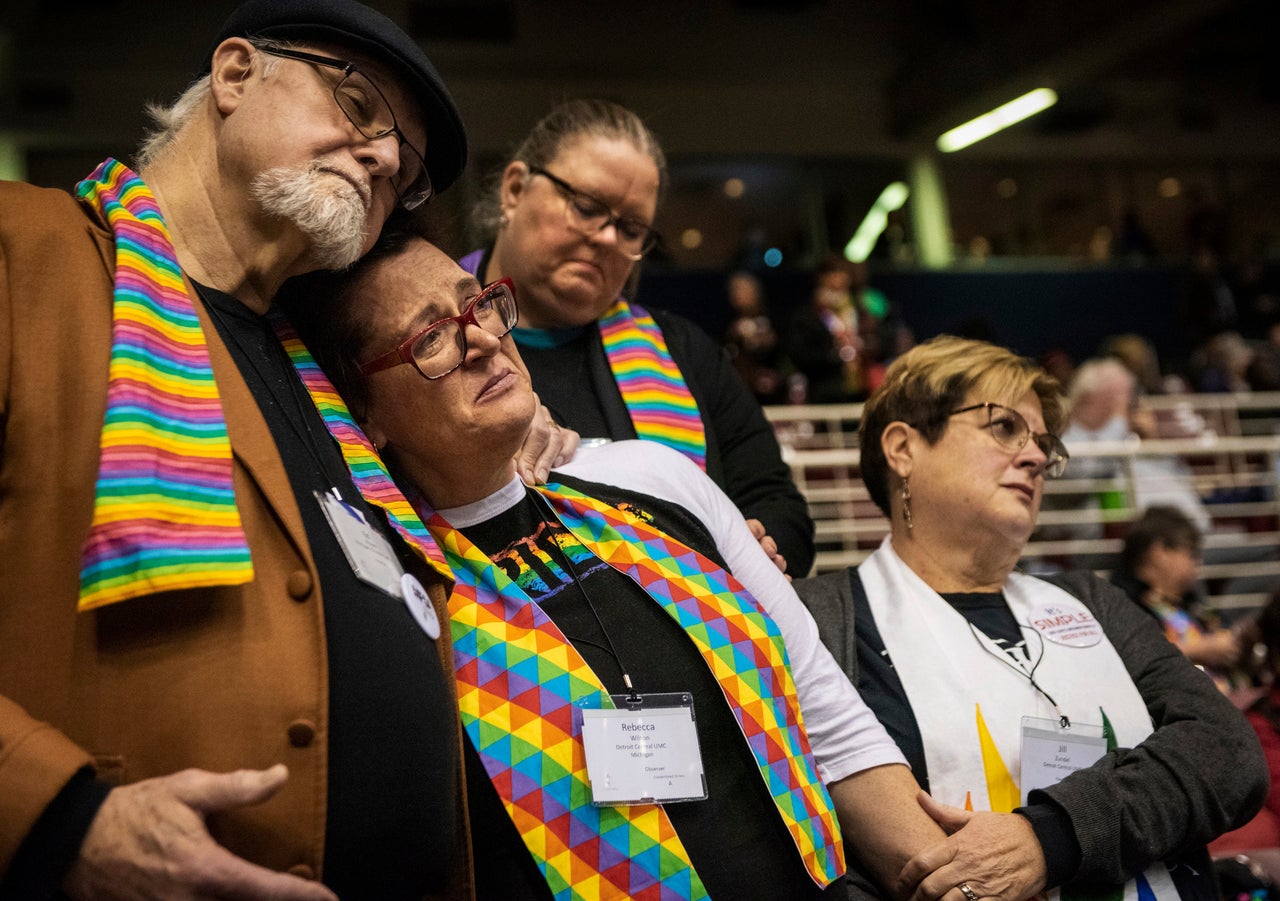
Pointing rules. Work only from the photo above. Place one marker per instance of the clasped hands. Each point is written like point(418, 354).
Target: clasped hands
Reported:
point(996, 855)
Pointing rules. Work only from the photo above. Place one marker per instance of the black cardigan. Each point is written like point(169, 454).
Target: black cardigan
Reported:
point(1199, 774)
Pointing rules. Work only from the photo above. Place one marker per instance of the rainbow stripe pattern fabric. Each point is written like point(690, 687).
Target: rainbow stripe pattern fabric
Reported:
point(652, 388)
point(520, 680)
point(367, 469)
point(164, 512)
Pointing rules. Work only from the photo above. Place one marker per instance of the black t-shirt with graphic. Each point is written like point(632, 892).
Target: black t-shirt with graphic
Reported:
point(735, 838)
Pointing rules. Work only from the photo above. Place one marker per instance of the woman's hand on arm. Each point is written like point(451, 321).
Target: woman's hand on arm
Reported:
point(768, 545)
point(754, 475)
point(995, 854)
point(882, 823)
point(547, 445)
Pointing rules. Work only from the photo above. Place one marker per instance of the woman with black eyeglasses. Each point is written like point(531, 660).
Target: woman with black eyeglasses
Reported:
point(572, 216)
point(1062, 740)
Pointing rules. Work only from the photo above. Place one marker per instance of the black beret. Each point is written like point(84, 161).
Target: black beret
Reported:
point(350, 24)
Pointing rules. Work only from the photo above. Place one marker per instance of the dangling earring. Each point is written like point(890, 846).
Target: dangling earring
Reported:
point(503, 221)
point(906, 504)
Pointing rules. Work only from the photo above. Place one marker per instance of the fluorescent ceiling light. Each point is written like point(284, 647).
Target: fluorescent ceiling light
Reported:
point(999, 118)
point(890, 199)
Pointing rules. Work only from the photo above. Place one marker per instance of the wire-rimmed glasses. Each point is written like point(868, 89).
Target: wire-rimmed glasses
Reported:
point(369, 111)
point(1011, 431)
point(591, 215)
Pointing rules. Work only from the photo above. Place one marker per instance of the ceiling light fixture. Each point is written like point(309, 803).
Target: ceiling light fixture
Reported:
point(864, 239)
point(998, 119)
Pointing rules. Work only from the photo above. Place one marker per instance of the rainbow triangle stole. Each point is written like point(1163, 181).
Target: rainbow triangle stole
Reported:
point(164, 511)
point(367, 469)
point(519, 680)
point(652, 388)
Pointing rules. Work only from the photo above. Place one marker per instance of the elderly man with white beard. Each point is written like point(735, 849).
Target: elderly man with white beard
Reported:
point(211, 682)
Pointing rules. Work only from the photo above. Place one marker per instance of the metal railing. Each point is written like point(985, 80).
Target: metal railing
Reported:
point(1229, 471)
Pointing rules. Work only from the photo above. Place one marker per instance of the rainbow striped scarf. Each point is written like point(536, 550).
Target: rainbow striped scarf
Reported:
point(652, 388)
point(164, 513)
point(519, 681)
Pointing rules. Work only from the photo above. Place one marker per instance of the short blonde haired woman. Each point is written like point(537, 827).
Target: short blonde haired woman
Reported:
point(989, 679)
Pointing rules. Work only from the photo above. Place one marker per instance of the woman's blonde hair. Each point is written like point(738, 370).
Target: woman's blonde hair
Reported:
point(924, 386)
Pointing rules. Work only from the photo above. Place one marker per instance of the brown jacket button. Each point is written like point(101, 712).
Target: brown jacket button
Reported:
point(301, 733)
point(302, 871)
point(299, 584)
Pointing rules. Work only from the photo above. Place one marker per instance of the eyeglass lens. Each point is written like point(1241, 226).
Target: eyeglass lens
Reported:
point(371, 114)
point(1011, 430)
point(442, 348)
point(591, 215)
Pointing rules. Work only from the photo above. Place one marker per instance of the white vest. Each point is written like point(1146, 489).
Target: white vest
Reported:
point(969, 697)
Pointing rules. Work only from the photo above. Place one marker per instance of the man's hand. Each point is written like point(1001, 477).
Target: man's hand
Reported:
point(149, 841)
point(996, 855)
point(768, 545)
point(546, 445)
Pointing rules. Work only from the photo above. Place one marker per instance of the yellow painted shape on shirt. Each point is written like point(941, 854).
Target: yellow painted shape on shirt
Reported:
point(1002, 791)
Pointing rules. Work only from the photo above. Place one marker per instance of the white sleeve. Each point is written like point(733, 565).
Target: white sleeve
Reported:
point(845, 735)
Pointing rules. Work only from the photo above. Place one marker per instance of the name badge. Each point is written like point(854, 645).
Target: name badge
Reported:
point(645, 751)
point(367, 551)
point(1050, 753)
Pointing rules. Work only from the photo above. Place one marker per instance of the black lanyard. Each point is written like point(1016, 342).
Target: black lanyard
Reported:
point(540, 501)
point(1063, 720)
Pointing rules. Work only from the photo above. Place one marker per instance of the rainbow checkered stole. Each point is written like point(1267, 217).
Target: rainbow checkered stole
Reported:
point(519, 681)
point(164, 513)
point(656, 397)
point(367, 469)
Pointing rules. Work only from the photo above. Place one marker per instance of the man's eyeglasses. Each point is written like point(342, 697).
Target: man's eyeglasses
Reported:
point(441, 347)
point(367, 108)
point(591, 215)
point(1011, 431)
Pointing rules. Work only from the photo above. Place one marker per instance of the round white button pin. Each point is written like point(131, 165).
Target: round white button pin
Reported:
point(415, 596)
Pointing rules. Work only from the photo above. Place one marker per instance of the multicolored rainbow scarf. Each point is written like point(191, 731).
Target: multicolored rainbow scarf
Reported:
point(164, 512)
point(367, 469)
point(656, 397)
point(519, 681)
point(652, 387)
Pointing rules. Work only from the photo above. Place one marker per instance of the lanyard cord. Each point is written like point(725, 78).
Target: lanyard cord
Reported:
point(1063, 720)
point(632, 696)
